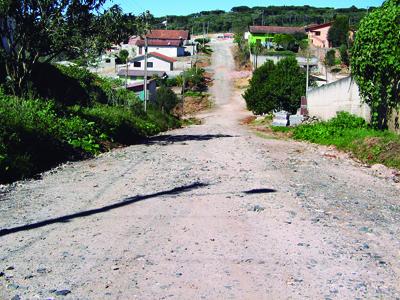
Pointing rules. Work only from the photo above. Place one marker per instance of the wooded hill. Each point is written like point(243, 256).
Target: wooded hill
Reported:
point(239, 18)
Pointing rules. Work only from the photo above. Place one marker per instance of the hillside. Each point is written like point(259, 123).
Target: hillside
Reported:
point(241, 17)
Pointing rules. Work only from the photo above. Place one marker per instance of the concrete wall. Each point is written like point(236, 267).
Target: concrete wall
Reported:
point(342, 95)
point(261, 59)
point(168, 51)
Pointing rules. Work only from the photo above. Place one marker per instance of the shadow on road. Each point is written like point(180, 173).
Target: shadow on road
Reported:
point(260, 191)
point(125, 202)
point(171, 139)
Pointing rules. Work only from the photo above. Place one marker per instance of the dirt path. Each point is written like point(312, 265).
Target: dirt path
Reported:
point(206, 212)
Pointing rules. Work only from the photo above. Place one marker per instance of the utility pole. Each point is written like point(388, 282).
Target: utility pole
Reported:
point(145, 72)
point(126, 74)
point(308, 73)
point(204, 32)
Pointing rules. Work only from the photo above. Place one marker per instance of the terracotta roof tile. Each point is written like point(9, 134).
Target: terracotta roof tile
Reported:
point(171, 43)
point(168, 34)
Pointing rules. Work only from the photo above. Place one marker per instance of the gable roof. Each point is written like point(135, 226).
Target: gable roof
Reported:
point(318, 26)
point(276, 29)
point(156, 55)
point(168, 34)
point(165, 43)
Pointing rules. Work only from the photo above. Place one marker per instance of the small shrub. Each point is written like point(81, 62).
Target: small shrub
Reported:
point(166, 99)
point(330, 58)
point(344, 55)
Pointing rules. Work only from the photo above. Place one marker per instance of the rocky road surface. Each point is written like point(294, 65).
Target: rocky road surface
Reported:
point(205, 212)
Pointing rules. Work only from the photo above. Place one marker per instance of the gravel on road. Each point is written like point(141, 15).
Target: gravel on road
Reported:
point(205, 212)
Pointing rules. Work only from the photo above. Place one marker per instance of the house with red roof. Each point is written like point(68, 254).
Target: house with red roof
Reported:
point(166, 42)
point(318, 34)
point(155, 62)
point(265, 34)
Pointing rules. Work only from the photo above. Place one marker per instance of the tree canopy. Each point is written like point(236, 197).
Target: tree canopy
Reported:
point(231, 21)
point(375, 61)
point(339, 32)
point(40, 31)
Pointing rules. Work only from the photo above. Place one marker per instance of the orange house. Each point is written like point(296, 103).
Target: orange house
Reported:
point(318, 34)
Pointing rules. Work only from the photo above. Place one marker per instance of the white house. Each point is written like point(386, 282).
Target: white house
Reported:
point(167, 42)
point(155, 62)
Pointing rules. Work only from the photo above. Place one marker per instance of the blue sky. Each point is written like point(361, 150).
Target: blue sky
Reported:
point(180, 7)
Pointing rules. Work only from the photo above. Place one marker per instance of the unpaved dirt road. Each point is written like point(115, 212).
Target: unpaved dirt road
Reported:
point(206, 212)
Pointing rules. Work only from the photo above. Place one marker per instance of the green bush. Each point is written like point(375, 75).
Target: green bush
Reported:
point(166, 99)
point(202, 40)
point(118, 123)
point(344, 55)
point(351, 133)
point(276, 87)
point(34, 138)
point(330, 58)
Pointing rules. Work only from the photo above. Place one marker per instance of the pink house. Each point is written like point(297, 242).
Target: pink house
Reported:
point(318, 34)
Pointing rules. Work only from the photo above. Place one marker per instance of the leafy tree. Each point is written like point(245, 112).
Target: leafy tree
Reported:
point(40, 31)
point(276, 87)
point(166, 99)
point(338, 34)
point(257, 96)
point(344, 55)
point(285, 41)
point(205, 49)
point(330, 58)
point(375, 61)
point(123, 56)
point(288, 84)
point(240, 9)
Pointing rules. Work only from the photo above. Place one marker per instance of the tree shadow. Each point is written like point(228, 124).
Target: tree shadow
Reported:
point(125, 202)
point(171, 139)
point(260, 191)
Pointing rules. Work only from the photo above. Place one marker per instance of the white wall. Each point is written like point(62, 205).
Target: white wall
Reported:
point(168, 51)
point(342, 95)
point(261, 59)
point(158, 65)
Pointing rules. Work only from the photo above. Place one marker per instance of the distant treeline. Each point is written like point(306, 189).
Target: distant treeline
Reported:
point(239, 18)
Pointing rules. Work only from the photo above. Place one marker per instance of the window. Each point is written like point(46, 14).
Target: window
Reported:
point(108, 60)
point(137, 64)
point(149, 64)
point(318, 33)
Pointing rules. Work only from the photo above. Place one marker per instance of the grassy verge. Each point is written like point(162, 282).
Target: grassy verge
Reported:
point(350, 133)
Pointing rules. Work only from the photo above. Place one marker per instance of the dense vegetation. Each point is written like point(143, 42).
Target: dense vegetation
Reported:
point(240, 18)
point(375, 61)
point(338, 34)
point(51, 113)
point(350, 133)
point(276, 87)
point(91, 116)
point(36, 32)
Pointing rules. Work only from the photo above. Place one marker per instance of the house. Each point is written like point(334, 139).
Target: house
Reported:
point(167, 42)
point(155, 62)
point(138, 88)
point(265, 34)
point(134, 75)
point(318, 34)
point(131, 46)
